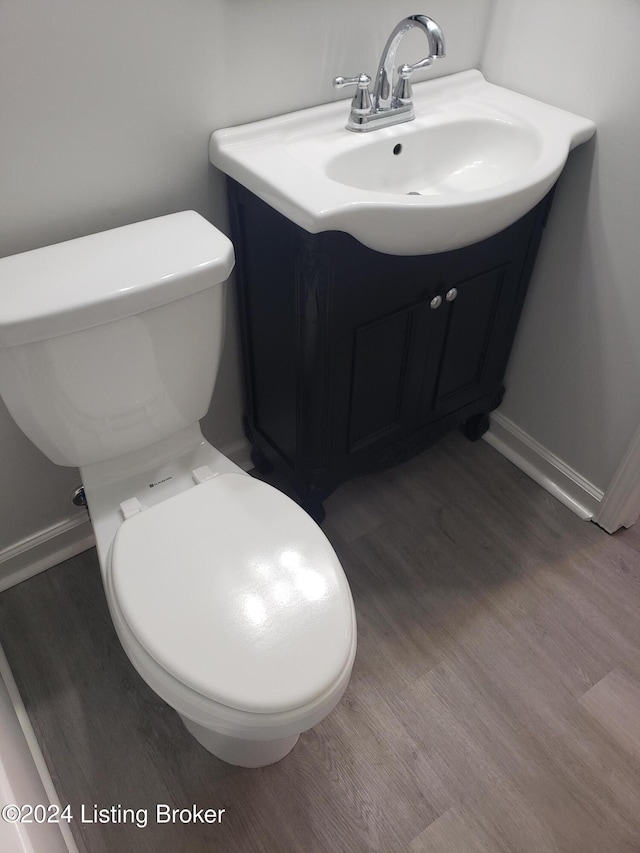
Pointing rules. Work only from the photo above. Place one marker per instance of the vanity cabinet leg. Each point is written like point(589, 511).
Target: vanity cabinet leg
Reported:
point(476, 426)
point(311, 501)
point(260, 461)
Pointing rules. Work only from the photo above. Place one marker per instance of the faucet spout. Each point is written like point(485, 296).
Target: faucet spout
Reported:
point(383, 90)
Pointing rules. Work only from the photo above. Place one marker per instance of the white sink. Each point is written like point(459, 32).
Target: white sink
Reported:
point(475, 159)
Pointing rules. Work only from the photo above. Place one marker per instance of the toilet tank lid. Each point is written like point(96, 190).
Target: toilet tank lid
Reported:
point(102, 277)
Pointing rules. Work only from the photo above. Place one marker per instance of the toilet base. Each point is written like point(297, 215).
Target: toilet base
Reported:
point(237, 751)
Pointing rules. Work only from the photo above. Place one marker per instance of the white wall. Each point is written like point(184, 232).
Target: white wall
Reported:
point(106, 107)
point(574, 377)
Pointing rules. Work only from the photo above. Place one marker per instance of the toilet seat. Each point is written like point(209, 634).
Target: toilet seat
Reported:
point(234, 592)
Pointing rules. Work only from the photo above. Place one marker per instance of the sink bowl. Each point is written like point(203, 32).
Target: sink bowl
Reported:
point(461, 156)
point(475, 159)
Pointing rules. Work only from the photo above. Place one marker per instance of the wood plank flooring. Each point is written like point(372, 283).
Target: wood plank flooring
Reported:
point(494, 705)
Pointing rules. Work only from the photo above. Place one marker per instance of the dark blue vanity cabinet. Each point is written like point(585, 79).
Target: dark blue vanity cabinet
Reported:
point(355, 360)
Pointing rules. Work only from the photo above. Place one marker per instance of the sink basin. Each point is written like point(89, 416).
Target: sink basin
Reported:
point(475, 159)
point(461, 156)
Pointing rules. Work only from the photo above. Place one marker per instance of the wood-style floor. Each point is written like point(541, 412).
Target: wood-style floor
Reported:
point(494, 705)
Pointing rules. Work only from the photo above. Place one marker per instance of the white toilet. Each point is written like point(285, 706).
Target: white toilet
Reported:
point(226, 596)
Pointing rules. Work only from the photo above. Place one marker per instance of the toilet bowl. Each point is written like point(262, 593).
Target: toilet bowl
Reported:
point(227, 598)
point(247, 629)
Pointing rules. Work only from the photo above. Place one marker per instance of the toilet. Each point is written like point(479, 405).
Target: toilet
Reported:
point(227, 598)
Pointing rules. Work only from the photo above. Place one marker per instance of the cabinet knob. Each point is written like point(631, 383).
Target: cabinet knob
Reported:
point(451, 294)
point(436, 302)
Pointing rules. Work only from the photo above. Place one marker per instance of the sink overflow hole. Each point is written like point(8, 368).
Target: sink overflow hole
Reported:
point(397, 148)
point(413, 192)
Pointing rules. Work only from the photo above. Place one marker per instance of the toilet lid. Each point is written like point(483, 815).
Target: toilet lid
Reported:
point(237, 593)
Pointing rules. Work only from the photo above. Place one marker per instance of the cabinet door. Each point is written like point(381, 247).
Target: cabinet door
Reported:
point(390, 356)
point(476, 341)
point(379, 333)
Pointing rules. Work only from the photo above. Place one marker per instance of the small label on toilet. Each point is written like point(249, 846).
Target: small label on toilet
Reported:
point(159, 482)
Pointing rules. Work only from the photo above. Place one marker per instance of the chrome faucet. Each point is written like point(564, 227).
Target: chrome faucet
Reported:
point(390, 105)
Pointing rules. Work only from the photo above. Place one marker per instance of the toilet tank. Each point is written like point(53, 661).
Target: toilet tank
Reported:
point(111, 342)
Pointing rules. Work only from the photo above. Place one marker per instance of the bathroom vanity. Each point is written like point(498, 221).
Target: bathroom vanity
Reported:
point(354, 359)
point(382, 272)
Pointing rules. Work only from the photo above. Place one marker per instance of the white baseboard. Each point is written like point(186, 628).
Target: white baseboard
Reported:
point(45, 549)
point(544, 467)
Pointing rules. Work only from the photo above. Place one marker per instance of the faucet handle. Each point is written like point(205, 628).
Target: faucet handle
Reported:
point(423, 63)
point(362, 81)
point(361, 103)
point(402, 93)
